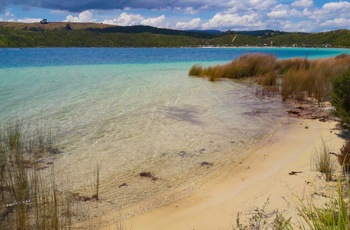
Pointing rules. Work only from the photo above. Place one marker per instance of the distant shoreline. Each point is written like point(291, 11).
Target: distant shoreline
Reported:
point(70, 34)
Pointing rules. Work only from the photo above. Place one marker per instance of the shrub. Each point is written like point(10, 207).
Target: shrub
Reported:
point(196, 70)
point(341, 98)
point(344, 156)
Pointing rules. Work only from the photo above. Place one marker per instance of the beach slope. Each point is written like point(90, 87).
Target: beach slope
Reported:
point(265, 176)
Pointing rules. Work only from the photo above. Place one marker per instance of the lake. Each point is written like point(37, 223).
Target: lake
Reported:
point(133, 110)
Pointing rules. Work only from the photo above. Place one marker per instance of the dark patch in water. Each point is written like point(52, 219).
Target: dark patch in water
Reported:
point(187, 113)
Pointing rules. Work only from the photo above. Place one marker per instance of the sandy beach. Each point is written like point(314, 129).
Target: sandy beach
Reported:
point(262, 177)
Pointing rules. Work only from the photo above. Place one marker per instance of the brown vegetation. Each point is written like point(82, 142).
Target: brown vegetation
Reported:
point(29, 196)
point(344, 156)
point(301, 78)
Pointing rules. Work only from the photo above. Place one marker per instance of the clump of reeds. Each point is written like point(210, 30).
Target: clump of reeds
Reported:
point(29, 196)
point(311, 78)
point(248, 65)
point(301, 78)
point(195, 70)
point(324, 163)
point(332, 214)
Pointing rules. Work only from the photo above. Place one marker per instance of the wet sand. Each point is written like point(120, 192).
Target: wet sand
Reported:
point(262, 177)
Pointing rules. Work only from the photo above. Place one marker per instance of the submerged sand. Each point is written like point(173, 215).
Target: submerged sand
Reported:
point(262, 177)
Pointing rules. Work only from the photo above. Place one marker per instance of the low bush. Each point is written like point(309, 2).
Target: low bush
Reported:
point(341, 98)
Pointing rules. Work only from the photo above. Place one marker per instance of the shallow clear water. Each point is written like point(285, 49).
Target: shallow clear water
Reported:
point(134, 110)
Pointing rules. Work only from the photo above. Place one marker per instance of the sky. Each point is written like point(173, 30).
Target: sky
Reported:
point(283, 15)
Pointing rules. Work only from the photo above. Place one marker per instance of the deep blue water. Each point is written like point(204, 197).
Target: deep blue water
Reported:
point(36, 57)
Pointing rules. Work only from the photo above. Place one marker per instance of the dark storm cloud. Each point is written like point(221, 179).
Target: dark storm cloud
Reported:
point(81, 5)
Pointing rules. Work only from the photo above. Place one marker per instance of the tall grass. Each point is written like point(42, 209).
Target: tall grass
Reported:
point(301, 77)
point(29, 196)
point(332, 214)
point(248, 65)
point(324, 163)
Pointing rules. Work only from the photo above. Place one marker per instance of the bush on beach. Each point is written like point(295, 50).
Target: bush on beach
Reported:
point(341, 98)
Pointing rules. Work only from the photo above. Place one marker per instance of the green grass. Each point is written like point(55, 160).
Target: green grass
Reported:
point(29, 198)
point(330, 215)
point(324, 164)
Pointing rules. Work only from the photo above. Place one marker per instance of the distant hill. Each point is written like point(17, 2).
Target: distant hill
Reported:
point(52, 25)
point(216, 32)
point(259, 33)
point(153, 30)
point(63, 34)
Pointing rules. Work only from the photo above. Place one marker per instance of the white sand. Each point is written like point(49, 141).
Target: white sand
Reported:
point(262, 176)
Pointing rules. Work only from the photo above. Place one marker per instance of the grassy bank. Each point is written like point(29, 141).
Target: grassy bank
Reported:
point(295, 78)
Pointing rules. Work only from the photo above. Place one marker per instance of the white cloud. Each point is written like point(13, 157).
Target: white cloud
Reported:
point(156, 22)
point(58, 12)
point(303, 3)
point(283, 11)
point(85, 16)
point(261, 4)
point(335, 10)
point(193, 24)
point(9, 14)
point(337, 23)
point(301, 26)
point(191, 10)
point(234, 21)
point(28, 20)
point(331, 12)
point(125, 19)
point(278, 14)
point(288, 15)
point(336, 6)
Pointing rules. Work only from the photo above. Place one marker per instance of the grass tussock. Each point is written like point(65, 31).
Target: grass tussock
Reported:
point(301, 78)
point(330, 214)
point(29, 197)
point(324, 164)
point(248, 65)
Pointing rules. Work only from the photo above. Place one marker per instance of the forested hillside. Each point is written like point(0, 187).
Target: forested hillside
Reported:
point(100, 35)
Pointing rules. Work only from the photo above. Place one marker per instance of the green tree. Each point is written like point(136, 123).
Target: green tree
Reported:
point(341, 98)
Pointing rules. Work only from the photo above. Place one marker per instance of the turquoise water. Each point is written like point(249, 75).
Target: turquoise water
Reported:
point(134, 110)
